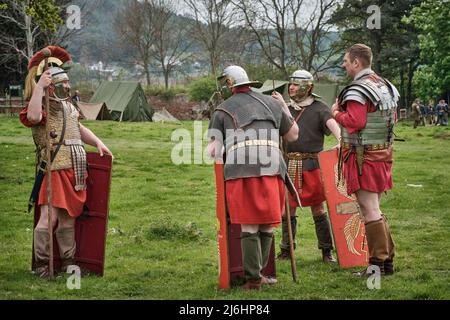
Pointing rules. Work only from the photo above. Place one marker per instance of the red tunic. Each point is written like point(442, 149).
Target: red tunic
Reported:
point(255, 200)
point(63, 182)
point(376, 175)
point(312, 192)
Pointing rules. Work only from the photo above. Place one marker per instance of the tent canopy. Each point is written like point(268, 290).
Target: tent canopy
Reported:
point(94, 111)
point(164, 116)
point(327, 92)
point(280, 86)
point(125, 100)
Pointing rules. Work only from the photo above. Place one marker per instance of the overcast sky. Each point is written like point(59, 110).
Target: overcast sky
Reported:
point(308, 8)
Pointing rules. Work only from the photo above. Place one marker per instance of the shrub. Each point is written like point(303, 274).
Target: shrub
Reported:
point(202, 89)
point(263, 72)
point(161, 91)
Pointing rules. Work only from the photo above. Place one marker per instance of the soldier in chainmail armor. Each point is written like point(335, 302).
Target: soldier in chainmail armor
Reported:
point(248, 126)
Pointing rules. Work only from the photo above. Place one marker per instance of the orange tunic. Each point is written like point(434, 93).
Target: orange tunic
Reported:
point(63, 182)
point(63, 192)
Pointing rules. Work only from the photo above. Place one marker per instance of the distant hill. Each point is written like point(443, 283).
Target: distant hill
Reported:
point(97, 40)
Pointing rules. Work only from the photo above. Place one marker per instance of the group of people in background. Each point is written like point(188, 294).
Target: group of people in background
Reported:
point(430, 114)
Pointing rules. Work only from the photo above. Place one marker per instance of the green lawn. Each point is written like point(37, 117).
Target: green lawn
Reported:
point(161, 241)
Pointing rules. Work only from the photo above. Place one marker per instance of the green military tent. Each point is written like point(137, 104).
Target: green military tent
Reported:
point(279, 85)
point(94, 111)
point(327, 92)
point(125, 100)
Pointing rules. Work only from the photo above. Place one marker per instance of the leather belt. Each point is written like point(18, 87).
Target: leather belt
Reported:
point(369, 147)
point(302, 156)
point(295, 165)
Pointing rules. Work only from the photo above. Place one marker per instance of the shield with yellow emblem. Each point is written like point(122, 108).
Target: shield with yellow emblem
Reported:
point(345, 217)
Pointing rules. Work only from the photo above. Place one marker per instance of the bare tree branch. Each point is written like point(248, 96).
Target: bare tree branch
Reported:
point(151, 28)
point(171, 43)
point(134, 26)
point(290, 32)
point(214, 21)
point(311, 35)
point(64, 34)
point(271, 22)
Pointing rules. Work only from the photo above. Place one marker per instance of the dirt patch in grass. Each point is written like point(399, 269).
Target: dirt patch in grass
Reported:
point(442, 135)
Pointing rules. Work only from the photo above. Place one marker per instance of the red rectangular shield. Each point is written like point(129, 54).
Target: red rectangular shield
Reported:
point(347, 226)
point(90, 229)
point(229, 240)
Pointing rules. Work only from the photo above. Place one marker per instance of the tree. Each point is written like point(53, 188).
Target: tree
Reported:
point(212, 28)
point(134, 25)
point(431, 19)
point(171, 43)
point(44, 12)
point(287, 36)
point(269, 20)
point(155, 32)
point(30, 18)
point(23, 23)
point(312, 38)
point(394, 43)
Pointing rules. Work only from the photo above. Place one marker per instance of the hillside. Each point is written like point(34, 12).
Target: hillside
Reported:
point(98, 41)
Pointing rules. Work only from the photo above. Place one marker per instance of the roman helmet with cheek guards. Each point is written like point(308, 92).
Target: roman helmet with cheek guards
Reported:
point(61, 90)
point(304, 80)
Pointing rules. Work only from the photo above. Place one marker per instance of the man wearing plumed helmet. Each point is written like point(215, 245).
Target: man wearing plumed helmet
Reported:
point(68, 163)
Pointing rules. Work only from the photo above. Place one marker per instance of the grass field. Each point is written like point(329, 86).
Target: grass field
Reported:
point(161, 241)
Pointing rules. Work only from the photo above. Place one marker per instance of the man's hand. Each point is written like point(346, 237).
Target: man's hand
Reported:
point(277, 96)
point(45, 80)
point(102, 149)
point(34, 114)
point(335, 108)
point(88, 137)
point(215, 149)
